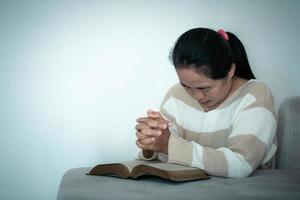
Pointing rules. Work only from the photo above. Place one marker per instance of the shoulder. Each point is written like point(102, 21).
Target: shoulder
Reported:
point(257, 89)
point(252, 94)
point(256, 94)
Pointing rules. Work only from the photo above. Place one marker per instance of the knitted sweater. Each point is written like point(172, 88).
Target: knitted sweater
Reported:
point(232, 140)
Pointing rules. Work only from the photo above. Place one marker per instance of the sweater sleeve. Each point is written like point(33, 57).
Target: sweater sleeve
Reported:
point(142, 155)
point(251, 138)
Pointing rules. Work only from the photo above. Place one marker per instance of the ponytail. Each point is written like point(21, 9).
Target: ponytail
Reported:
point(242, 67)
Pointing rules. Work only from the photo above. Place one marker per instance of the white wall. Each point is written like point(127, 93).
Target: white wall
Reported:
point(74, 75)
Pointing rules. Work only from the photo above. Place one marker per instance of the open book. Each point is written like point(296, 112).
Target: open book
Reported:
point(138, 168)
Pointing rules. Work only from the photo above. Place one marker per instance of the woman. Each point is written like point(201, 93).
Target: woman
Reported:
point(218, 118)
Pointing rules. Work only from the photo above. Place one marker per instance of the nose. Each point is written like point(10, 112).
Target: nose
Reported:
point(198, 94)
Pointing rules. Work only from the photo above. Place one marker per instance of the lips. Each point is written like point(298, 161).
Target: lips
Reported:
point(203, 102)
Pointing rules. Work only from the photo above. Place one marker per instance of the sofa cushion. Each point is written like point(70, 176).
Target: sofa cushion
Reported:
point(288, 132)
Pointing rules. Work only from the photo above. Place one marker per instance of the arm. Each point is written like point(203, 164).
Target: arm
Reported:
point(251, 137)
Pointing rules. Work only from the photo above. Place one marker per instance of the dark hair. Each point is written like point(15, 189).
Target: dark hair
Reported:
point(209, 53)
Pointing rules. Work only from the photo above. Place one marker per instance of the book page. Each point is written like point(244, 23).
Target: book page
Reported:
point(133, 163)
point(156, 164)
point(169, 166)
point(174, 172)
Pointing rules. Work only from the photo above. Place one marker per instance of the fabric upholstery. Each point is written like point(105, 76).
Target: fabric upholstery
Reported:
point(288, 130)
point(262, 185)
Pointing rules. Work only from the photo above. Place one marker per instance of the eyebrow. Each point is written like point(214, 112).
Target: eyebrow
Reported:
point(205, 87)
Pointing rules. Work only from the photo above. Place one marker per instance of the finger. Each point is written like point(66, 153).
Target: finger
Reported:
point(147, 141)
point(141, 119)
point(153, 123)
point(156, 115)
point(153, 114)
point(150, 132)
point(160, 116)
point(141, 126)
point(138, 144)
point(150, 147)
point(144, 147)
point(141, 136)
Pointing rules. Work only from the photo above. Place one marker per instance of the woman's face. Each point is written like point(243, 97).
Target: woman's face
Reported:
point(208, 92)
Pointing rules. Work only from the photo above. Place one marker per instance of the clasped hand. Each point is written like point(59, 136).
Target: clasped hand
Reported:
point(152, 132)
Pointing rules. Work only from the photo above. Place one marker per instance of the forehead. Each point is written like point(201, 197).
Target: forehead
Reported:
point(192, 78)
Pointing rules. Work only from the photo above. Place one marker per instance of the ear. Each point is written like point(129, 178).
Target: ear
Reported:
point(231, 71)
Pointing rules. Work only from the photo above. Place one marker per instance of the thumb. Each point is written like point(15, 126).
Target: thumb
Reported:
point(156, 115)
point(153, 114)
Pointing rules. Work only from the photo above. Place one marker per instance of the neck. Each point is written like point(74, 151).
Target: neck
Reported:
point(237, 82)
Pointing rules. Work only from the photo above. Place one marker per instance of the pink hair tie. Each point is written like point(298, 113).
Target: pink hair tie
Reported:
point(223, 34)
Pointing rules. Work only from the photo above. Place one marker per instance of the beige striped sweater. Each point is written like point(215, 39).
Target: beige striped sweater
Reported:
point(232, 140)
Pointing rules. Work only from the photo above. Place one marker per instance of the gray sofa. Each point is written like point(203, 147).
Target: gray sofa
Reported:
point(283, 182)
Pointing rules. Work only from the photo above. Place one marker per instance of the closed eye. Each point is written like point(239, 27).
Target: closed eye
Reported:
point(203, 89)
